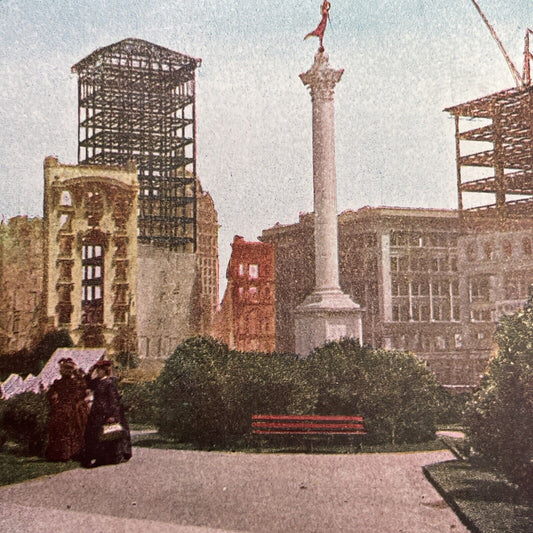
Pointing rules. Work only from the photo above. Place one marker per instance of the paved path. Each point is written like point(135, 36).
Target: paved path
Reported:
point(195, 492)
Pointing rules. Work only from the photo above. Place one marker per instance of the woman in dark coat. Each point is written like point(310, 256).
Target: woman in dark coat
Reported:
point(106, 409)
point(68, 413)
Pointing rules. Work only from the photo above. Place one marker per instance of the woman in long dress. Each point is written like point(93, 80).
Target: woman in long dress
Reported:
point(106, 409)
point(68, 413)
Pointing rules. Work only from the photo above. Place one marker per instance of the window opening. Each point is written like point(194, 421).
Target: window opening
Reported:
point(92, 284)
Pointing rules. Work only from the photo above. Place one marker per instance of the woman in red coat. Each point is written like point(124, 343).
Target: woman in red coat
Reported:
point(68, 413)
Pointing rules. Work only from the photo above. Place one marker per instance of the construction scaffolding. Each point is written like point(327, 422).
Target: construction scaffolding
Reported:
point(136, 101)
point(507, 127)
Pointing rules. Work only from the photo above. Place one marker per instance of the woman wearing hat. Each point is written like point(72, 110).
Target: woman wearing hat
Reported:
point(106, 409)
point(68, 413)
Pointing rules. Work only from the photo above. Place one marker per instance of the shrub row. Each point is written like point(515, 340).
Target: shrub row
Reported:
point(206, 393)
point(139, 400)
point(24, 420)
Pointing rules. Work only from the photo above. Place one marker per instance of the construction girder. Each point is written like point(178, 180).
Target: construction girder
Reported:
point(136, 101)
point(509, 132)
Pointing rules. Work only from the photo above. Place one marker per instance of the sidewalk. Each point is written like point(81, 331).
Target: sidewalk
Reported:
point(196, 492)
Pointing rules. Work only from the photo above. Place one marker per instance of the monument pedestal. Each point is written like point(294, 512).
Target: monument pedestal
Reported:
point(324, 316)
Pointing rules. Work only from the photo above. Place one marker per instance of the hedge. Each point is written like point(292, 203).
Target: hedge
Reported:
point(24, 420)
point(139, 401)
point(398, 396)
point(207, 393)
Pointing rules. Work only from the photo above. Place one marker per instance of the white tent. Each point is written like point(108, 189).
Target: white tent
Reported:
point(83, 357)
point(11, 386)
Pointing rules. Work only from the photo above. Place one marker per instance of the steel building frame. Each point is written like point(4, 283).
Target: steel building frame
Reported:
point(136, 101)
point(510, 133)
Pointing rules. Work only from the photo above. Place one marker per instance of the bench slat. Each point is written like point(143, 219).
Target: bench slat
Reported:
point(274, 432)
point(307, 417)
point(305, 425)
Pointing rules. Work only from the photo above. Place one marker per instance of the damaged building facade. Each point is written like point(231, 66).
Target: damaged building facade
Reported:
point(90, 251)
point(137, 102)
point(21, 282)
point(246, 320)
point(152, 271)
point(426, 285)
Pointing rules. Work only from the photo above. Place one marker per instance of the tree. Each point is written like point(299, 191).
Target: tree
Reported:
point(500, 416)
point(57, 338)
point(124, 344)
point(32, 361)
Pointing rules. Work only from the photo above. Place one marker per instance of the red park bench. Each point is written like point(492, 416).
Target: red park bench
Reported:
point(309, 425)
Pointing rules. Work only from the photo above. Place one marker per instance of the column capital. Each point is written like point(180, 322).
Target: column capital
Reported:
point(321, 78)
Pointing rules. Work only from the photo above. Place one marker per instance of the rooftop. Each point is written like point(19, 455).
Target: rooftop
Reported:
point(125, 52)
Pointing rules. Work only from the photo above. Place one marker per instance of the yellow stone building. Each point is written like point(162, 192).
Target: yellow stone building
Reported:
point(90, 251)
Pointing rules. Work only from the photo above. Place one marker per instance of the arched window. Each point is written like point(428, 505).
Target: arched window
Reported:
point(66, 199)
point(63, 221)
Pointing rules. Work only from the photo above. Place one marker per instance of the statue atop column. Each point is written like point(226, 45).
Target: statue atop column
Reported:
point(321, 28)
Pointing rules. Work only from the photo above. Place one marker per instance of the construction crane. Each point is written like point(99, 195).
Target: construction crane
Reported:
point(523, 80)
point(527, 59)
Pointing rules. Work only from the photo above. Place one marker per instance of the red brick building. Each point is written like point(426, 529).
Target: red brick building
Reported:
point(246, 319)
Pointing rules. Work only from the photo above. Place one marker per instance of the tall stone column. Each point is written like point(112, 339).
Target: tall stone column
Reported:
point(327, 313)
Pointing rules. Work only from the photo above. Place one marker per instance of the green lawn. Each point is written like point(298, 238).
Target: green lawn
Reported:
point(15, 468)
point(277, 446)
point(484, 500)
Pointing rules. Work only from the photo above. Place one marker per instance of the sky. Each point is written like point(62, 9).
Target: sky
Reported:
point(404, 61)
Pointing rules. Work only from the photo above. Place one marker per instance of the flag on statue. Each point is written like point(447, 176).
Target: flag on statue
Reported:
point(319, 31)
